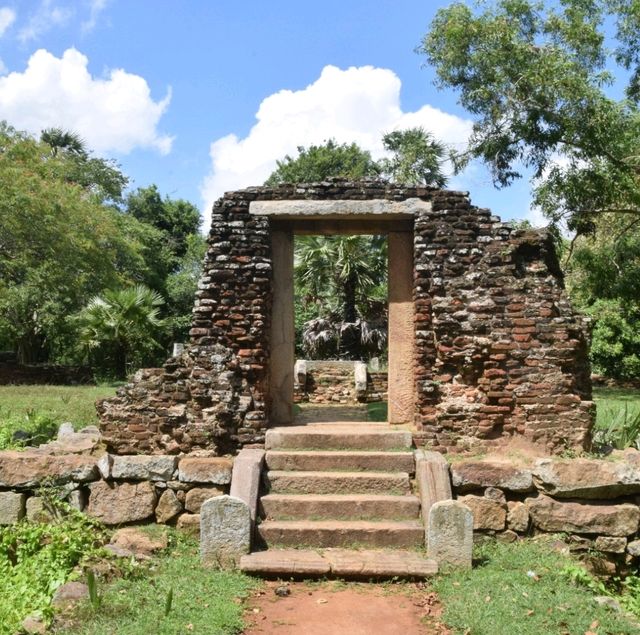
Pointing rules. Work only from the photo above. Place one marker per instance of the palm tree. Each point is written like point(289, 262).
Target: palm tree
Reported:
point(417, 158)
point(344, 277)
point(60, 139)
point(121, 324)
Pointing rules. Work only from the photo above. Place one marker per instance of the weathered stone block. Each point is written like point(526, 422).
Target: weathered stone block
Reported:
point(225, 531)
point(118, 503)
point(168, 507)
point(633, 548)
point(471, 475)
point(245, 477)
point(216, 471)
point(432, 477)
point(11, 507)
point(143, 468)
point(589, 478)
point(603, 518)
point(609, 544)
point(487, 513)
point(30, 468)
point(198, 495)
point(517, 516)
point(36, 510)
point(189, 523)
point(450, 534)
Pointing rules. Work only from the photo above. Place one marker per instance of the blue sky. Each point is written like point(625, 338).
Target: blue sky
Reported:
point(172, 90)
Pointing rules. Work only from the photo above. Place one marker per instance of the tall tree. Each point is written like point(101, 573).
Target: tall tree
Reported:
point(538, 78)
point(416, 158)
point(318, 162)
point(58, 245)
point(175, 218)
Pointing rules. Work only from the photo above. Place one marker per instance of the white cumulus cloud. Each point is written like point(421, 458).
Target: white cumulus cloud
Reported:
point(7, 18)
point(115, 113)
point(357, 104)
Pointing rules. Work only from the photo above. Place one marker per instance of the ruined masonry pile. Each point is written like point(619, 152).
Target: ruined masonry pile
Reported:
point(498, 350)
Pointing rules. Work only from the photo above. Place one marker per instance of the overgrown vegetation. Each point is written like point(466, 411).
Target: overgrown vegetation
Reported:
point(523, 587)
point(618, 417)
point(32, 428)
point(69, 233)
point(176, 595)
point(36, 558)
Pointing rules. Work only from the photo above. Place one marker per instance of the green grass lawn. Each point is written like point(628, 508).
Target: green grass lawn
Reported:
point(203, 600)
point(64, 403)
point(523, 588)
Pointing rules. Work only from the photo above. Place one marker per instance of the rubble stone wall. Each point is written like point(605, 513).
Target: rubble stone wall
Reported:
point(114, 489)
point(499, 351)
point(594, 502)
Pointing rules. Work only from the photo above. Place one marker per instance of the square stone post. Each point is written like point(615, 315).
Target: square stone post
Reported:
point(282, 340)
point(401, 328)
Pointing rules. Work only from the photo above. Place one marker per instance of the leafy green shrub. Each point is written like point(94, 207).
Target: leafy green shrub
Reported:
point(36, 558)
point(622, 429)
point(31, 428)
point(615, 346)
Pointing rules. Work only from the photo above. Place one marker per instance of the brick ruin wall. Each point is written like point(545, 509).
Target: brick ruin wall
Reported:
point(499, 351)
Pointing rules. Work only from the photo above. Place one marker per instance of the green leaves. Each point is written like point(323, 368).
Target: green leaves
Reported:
point(416, 158)
point(121, 324)
point(317, 163)
point(536, 76)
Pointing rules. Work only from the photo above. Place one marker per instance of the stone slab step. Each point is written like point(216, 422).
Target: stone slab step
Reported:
point(338, 437)
point(342, 533)
point(342, 563)
point(345, 507)
point(285, 482)
point(354, 461)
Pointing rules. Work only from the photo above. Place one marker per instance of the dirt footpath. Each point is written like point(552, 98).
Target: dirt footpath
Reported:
point(334, 608)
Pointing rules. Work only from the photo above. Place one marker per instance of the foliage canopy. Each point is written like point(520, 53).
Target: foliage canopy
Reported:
point(537, 77)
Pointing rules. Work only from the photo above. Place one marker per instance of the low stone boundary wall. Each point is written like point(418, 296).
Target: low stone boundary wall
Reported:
point(14, 373)
point(595, 502)
point(335, 382)
point(114, 489)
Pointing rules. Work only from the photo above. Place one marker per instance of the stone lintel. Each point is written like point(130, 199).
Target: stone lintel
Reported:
point(375, 208)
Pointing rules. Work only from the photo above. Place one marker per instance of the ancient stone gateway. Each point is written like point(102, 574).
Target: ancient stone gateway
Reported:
point(484, 344)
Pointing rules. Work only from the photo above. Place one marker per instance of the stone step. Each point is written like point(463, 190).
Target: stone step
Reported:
point(342, 533)
point(285, 482)
point(345, 507)
point(342, 563)
point(354, 461)
point(338, 437)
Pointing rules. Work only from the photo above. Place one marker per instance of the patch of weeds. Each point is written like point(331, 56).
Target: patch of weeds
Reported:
point(30, 428)
point(176, 594)
point(36, 558)
point(521, 588)
point(626, 591)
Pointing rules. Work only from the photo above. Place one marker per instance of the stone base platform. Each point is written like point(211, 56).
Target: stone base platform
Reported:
point(339, 563)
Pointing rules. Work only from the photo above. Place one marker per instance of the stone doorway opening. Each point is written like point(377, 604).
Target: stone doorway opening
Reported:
point(349, 218)
point(341, 328)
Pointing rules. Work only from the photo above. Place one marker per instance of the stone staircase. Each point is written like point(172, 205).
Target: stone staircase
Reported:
point(340, 501)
